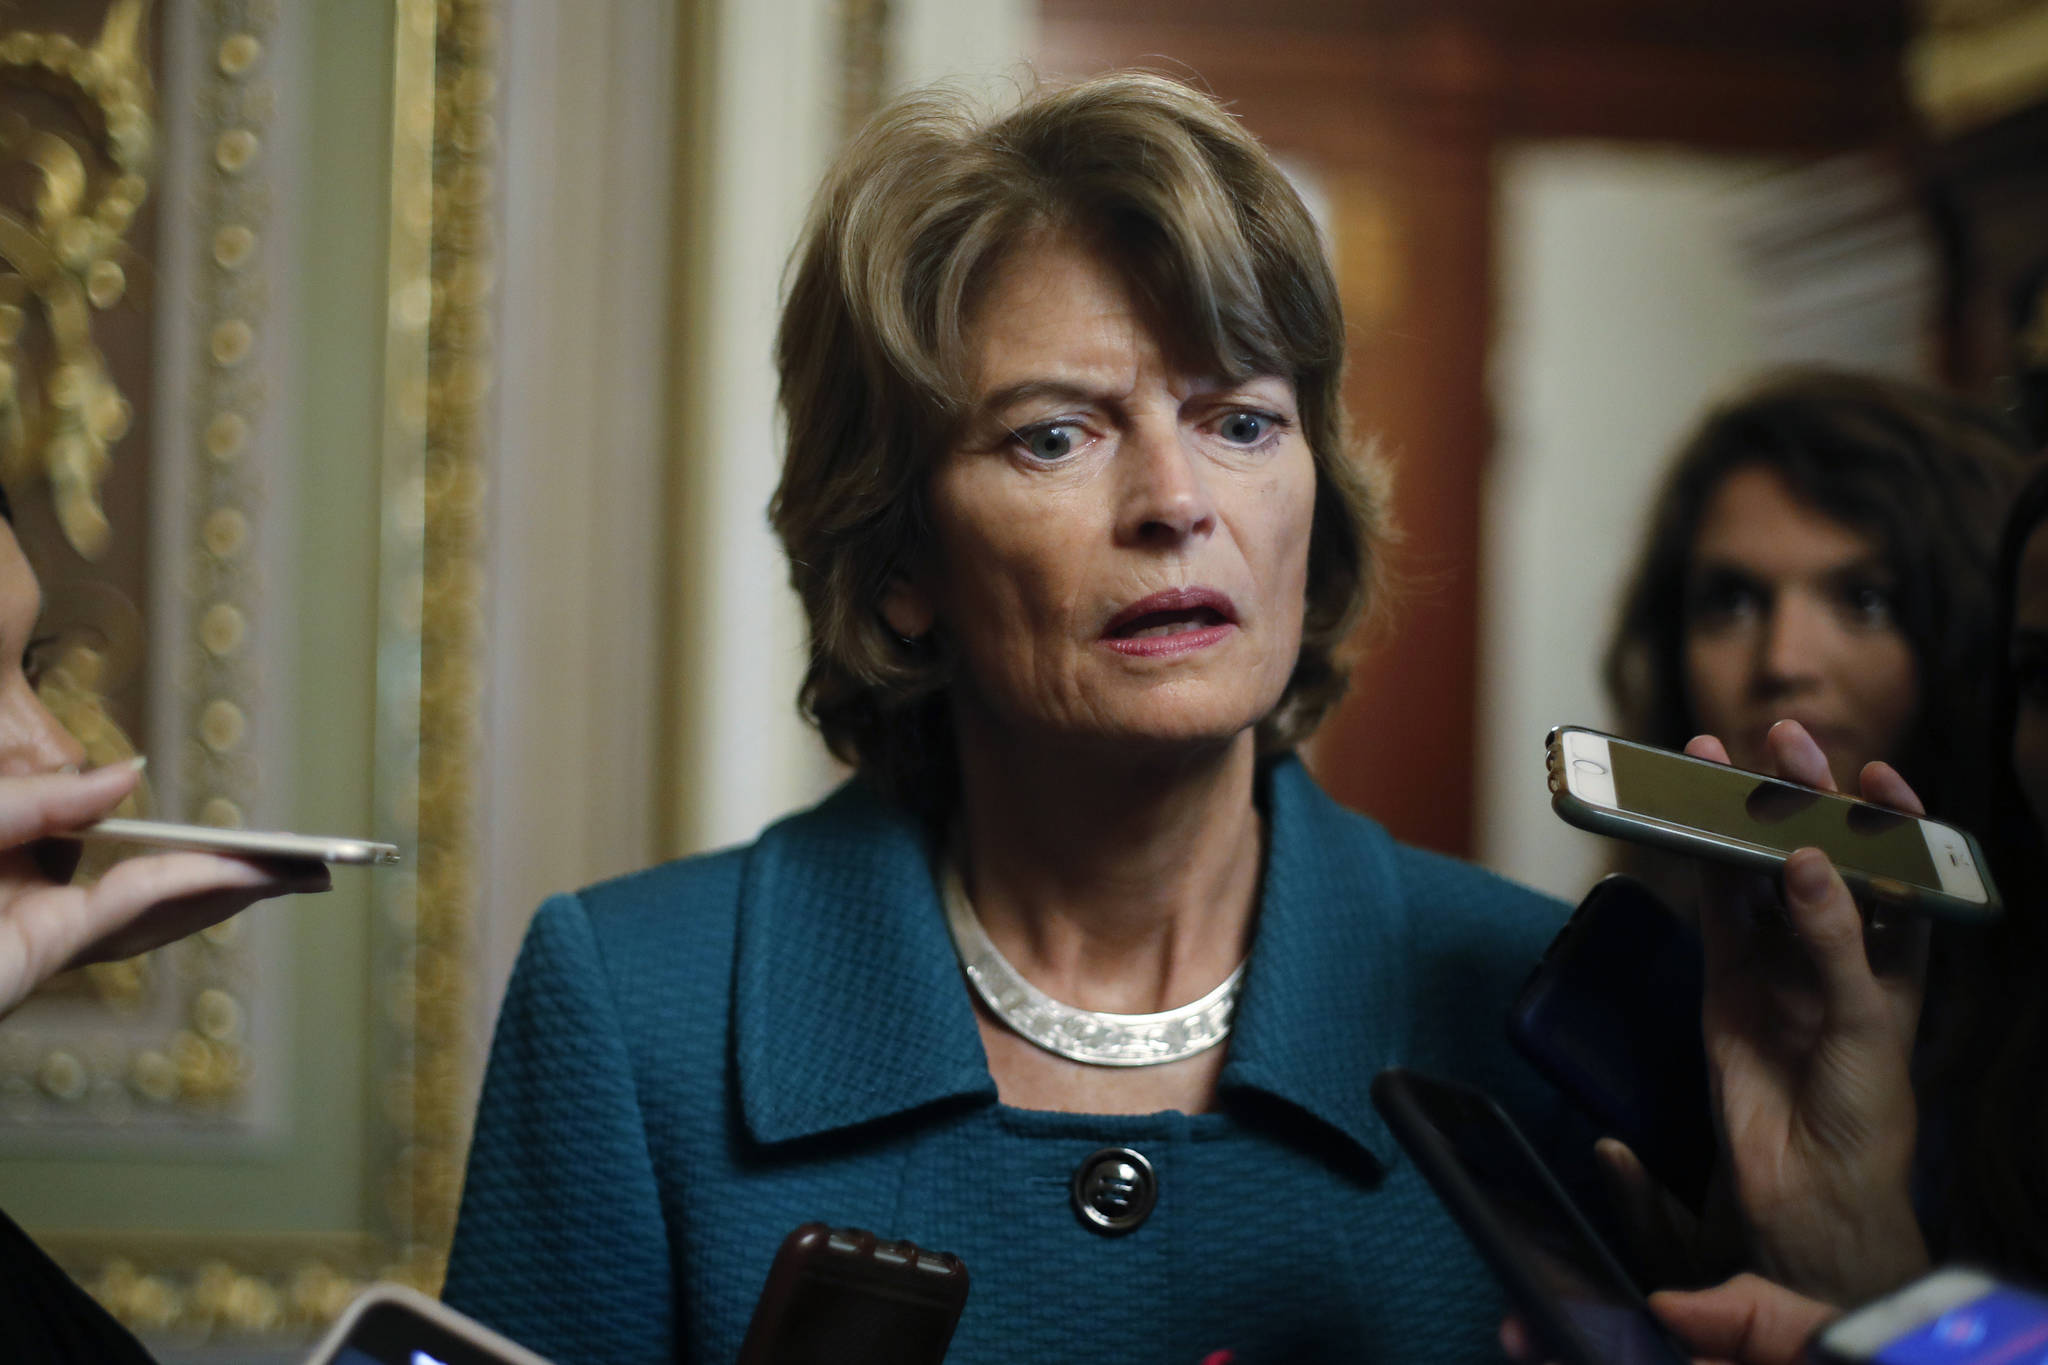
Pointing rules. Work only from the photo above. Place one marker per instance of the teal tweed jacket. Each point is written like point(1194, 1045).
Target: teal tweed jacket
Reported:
point(694, 1059)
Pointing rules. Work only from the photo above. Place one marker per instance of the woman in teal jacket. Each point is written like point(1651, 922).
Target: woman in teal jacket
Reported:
point(1080, 978)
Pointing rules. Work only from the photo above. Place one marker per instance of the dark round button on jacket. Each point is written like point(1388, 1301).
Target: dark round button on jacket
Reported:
point(1114, 1190)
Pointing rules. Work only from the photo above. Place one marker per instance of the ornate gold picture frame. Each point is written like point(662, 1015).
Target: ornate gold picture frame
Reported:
point(188, 1058)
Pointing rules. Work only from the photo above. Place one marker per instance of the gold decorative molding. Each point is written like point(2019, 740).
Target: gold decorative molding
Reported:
point(222, 1287)
point(59, 411)
point(166, 1045)
point(217, 675)
point(438, 377)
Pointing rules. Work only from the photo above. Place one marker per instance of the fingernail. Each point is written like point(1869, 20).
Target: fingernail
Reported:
point(1806, 875)
point(133, 765)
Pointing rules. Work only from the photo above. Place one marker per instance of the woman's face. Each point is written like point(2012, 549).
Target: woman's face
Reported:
point(2029, 663)
point(1121, 544)
point(1789, 615)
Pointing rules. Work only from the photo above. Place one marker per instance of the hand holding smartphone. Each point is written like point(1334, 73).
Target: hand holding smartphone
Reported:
point(1812, 1023)
point(1653, 796)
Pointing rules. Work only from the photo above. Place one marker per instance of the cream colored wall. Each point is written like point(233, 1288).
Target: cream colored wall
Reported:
point(577, 460)
point(771, 77)
point(1624, 308)
point(643, 648)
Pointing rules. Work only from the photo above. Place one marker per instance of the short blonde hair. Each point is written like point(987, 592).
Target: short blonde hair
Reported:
point(905, 234)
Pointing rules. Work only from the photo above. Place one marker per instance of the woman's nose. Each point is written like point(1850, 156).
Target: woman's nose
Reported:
point(1793, 643)
point(31, 739)
point(1166, 498)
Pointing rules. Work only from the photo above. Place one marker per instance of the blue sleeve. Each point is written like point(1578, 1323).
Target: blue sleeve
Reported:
point(561, 1243)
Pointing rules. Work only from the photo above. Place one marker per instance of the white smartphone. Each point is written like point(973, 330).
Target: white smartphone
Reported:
point(1954, 1316)
point(1653, 796)
point(244, 843)
point(389, 1324)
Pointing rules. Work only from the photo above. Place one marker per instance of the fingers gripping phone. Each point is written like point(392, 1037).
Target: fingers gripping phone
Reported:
point(842, 1296)
point(1611, 1016)
point(392, 1325)
point(1653, 796)
point(1954, 1316)
point(1573, 1294)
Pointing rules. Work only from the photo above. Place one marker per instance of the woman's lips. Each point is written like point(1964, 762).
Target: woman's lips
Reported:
point(1177, 621)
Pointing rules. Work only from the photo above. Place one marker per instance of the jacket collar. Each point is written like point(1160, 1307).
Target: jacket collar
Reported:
point(1325, 1006)
point(848, 1004)
point(849, 1007)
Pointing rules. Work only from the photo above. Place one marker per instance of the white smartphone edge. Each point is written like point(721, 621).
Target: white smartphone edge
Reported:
point(433, 1310)
point(1589, 770)
point(1589, 775)
point(250, 843)
point(1861, 1334)
point(1952, 862)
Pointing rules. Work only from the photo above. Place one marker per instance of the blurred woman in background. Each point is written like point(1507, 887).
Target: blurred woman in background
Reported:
point(1987, 1143)
point(1822, 551)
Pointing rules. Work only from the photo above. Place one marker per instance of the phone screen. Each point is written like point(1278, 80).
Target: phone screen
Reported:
point(392, 1334)
point(1550, 1239)
point(2004, 1327)
point(1771, 814)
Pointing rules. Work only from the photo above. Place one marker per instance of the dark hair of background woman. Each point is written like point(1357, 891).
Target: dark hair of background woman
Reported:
point(1925, 474)
point(1992, 1063)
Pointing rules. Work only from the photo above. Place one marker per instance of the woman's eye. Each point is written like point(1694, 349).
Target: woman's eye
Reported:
point(1053, 442)
point(1869, 604)
point(1245, 428)
point(1726, 598)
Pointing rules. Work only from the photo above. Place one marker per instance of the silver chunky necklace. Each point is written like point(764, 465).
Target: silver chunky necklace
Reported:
point(1094, 1037)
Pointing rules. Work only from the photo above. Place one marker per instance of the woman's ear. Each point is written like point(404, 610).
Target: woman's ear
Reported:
point(908, 609)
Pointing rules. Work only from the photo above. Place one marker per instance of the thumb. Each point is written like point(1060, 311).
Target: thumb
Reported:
point(56, 803)
point(1824, 916)
point(1748, 1319)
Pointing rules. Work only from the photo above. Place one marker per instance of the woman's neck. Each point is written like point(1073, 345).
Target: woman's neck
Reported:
point(1112, 883)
